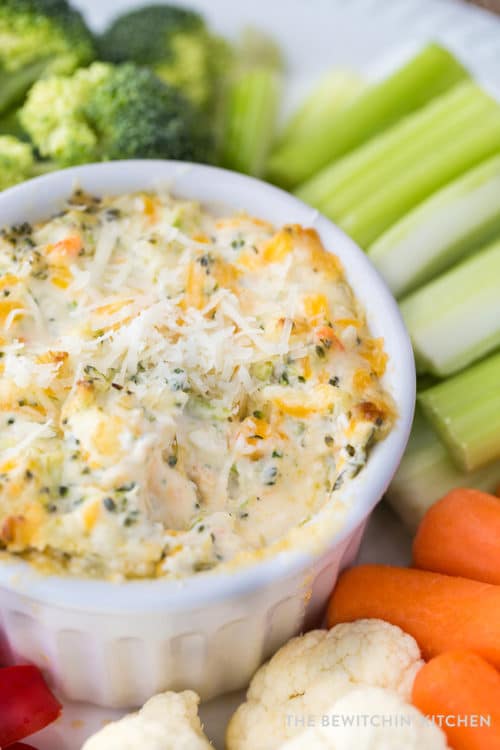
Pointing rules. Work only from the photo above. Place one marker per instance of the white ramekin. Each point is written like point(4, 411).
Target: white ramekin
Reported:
point(117, 644)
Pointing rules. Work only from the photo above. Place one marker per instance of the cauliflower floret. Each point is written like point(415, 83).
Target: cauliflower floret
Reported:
point(166, 722)
point(370, 718)
point(312, 671)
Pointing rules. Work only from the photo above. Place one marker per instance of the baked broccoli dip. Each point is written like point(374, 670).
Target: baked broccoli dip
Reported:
point(176, 388)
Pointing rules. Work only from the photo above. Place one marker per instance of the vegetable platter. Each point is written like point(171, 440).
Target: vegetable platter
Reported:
point(434, 166)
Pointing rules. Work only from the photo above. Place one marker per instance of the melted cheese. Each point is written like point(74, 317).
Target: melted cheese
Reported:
point(175, 389)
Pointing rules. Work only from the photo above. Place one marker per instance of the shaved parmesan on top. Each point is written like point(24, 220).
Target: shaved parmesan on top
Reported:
point(175, 389)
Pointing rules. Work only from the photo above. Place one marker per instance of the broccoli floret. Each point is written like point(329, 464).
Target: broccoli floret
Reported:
point(175, 43)
point(54, 115)
point(37, 38)
point(137, 115)
point(112, 112)
point(17, 162)
point(10, 125)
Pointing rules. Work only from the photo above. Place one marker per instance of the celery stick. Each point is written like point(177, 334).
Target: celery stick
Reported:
point(381, 152)
point(465, 412)
point(441, 231)
point(426, 381)
point(414, 151)
point(426, 473)
point(249, 120)
point(377, 213)
point(333, 92)
point(247, 112)
point(455, 319)
point(427, 75)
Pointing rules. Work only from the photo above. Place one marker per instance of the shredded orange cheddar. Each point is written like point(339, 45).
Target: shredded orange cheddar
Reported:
point(66, 249)
point(320, 399)
point(7, 306)
point(8, 279)
point(61, 277)
point(150, 207)
point(361, 379)
point(201, 237)
point(90, 515)
point(373, 352)
point(106, 437)
point(346, 322)
point(316, 305)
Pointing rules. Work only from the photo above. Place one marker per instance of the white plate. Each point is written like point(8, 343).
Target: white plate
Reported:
point(315, 35)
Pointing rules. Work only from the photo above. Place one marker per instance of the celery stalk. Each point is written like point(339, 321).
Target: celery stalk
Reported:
point(247, 111)
point(425, 381)
point(441, 231)
point(373, 216)
point(465, 412)
point(426, 473)
point(348, 200)
point(427, 75)
point(249, 120)
point(431, 139)
point(332, 93)
point(455, 319)
point(380, 153)
point(409, 142)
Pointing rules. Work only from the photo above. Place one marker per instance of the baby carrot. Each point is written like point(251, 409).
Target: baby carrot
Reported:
point(461, 691)
point(460, 535)
point(440, 612)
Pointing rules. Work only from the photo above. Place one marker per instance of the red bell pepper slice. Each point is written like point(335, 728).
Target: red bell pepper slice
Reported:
point(26, 703)
point(20, 746)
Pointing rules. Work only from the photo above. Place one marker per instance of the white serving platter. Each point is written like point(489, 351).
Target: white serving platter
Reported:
point(365, 35)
